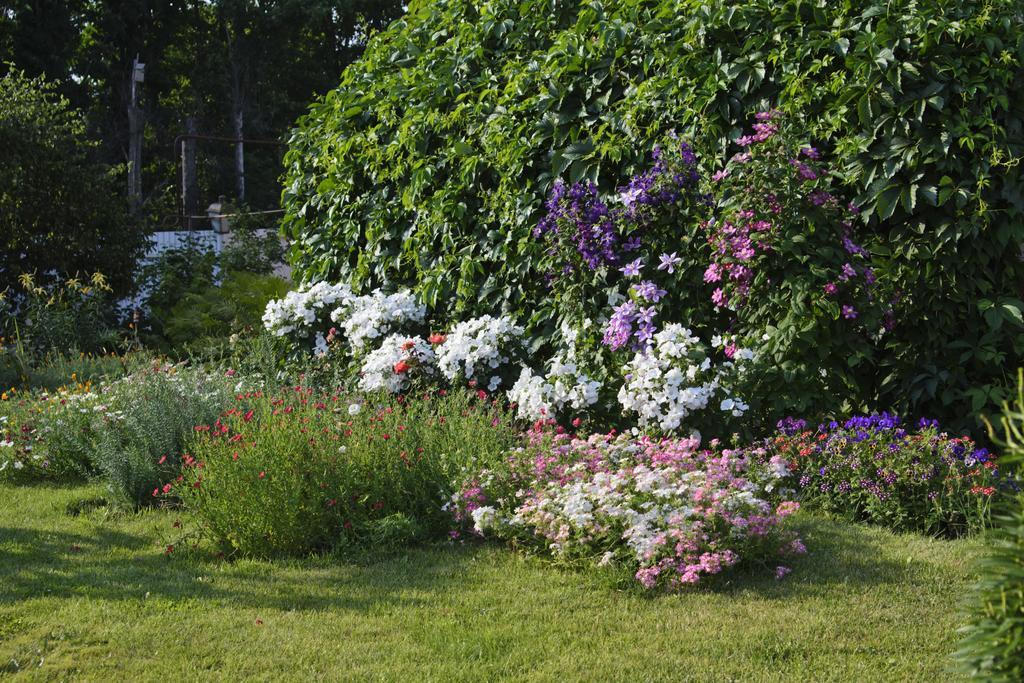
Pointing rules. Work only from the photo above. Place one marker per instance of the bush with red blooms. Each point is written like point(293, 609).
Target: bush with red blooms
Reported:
point(299, 471)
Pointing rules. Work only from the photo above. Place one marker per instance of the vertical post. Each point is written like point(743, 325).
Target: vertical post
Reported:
point(189, 181)
point(239, 155)
point(135, 138)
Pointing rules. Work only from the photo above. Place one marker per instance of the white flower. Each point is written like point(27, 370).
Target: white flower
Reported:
point(538, 397)
point(484, 518)
point(354, 409)
point(480, 343)
point(377, 315)
point(304, 313)
point(674, 378)
point(18, 464)
point(381, 369)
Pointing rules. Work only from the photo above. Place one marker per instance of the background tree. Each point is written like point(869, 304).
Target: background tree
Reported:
point(61, 210)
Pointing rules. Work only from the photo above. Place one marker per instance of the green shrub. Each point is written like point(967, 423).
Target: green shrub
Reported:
point(65, 316)
point(302, 472)
point(993, 644)
point(428, 166)
point(235, 305)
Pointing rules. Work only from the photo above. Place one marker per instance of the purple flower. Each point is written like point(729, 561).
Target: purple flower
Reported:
point(853, 248)
point(719, 175)
point(669, 262)
point(713, 273)
point(649, 291)
point(633, 269)
point(848, 272)
point(810, 153)
point(830, 288)
point(620, 326)
point(849, 312)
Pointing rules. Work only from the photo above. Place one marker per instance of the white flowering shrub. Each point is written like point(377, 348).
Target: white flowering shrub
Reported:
point(674, 378)
point(364, 320)
point(397, 363)
point(481, 350)
point(545, 396)
point(303, 315)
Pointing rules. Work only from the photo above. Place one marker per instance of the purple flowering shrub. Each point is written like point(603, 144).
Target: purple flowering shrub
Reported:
point(764, 250)
point(670, 512)
point(876, 469)
point(596, 249)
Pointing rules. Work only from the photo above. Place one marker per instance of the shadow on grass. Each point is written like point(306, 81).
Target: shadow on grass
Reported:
point(116, 566)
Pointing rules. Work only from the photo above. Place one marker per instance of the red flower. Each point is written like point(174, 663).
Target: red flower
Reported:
point(437, 338)
point(169, 550)
point(247, 416)
point(262, 475)
point(163, 459)
point(401, 367)
point(408, 345)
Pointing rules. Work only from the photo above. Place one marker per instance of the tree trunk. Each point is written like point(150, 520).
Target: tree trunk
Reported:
point(189, 181)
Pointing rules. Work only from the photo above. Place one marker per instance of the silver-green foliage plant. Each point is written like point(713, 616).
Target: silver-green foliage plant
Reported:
point(148, 419)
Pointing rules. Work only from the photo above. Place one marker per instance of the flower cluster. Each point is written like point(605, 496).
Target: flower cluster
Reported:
point(396, 363)
point(480, 350)
point(584, 232)
point(539, 397)
point(671, 512)
point(776, 188)
point(674, 378)
point(876, 468)
point(303, 314)
point(365, 319)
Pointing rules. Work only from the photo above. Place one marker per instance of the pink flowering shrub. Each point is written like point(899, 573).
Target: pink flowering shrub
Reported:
point(671, 511)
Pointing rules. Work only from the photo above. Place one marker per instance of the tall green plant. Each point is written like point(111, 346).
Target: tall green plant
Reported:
point(993, 644)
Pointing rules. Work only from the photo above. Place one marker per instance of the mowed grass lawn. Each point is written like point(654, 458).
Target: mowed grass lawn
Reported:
point(94, 597)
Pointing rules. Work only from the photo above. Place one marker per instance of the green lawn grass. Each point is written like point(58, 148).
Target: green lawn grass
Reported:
point(94, 597)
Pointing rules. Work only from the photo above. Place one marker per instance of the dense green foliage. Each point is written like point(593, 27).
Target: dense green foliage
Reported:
point(429, 164)
point(192, 295)
point(60, 210)
point(993, 645)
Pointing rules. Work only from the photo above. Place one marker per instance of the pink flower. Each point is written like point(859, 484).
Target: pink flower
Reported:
point(718, 298)
point(786, 508)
